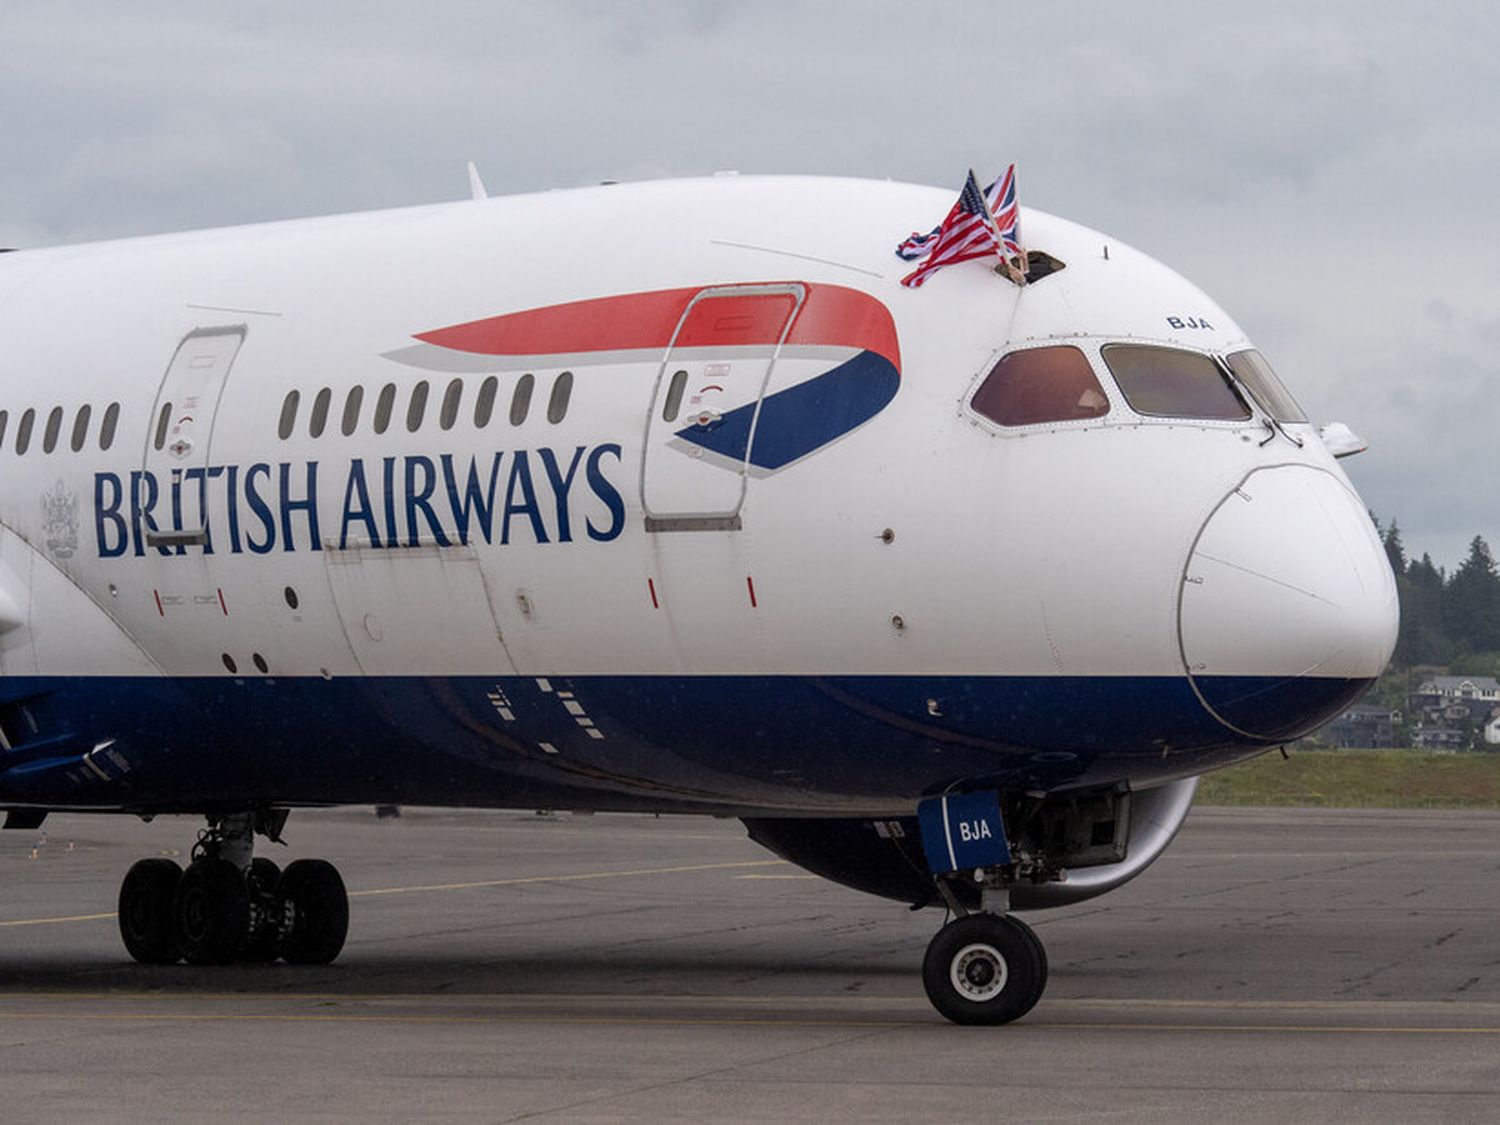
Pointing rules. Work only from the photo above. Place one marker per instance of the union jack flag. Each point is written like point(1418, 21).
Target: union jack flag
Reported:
point(1001, 198)
point(968, 232)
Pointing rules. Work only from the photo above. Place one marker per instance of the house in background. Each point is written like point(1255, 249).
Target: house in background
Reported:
point(1438, 738)
point(1454, 698)
point(1363, 725)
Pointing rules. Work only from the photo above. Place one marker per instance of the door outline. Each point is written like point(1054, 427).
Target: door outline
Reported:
point(390, 604)
point(724, 520)
point(179, 439)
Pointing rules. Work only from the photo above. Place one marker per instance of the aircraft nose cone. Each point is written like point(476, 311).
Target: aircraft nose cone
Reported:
point(1288, 607)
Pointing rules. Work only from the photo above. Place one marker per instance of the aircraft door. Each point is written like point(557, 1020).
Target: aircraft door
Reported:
point(701, 426)
point(182, 430)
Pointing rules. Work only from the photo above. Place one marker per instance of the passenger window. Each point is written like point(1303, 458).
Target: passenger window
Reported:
point(288, 415)
point(107, 427)
point(520, 401)
point(1172, 383)
point(1251, 369)
point(417, 407)
point(383, 407)
point(162, 421)
point(352, 403)
point(451, 397)
point(484, 405)
point(562, 391)
point(81, 427)
point(1054, 384)
point(318, 421)
point(4, 418)
point(23, 431)
point(53, 430)
point(673, 401)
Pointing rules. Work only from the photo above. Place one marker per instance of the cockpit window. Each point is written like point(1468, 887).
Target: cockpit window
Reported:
point(1251, 369)
point(1173, 383)
point(1053, 384)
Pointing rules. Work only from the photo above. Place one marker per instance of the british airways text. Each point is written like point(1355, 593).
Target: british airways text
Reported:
point(536, 496)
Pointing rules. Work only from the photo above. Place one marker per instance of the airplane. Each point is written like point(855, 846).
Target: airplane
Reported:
point(662, 497)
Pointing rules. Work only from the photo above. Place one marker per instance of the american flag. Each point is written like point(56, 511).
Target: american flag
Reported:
point(968, 232)
point(1001, 197)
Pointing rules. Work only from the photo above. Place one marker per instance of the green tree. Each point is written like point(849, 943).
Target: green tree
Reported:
point(1476, 664)
point(1423, 638)
point(1471, 601)
point(1394, 550)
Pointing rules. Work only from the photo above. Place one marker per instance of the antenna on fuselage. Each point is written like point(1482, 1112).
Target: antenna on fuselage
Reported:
point(476, 185)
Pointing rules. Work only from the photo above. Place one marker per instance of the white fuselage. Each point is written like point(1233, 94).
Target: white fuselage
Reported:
point(923, 545)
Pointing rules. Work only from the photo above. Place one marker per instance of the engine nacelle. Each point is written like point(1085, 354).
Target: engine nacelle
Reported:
point(1101, 841)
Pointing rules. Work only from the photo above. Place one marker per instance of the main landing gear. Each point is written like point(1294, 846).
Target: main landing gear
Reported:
point(229, 905)
point(987, 967)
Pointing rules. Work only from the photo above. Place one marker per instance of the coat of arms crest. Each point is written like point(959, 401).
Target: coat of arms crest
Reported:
point(60, 520)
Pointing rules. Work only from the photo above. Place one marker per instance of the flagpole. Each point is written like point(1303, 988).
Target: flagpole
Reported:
point(1016, 275)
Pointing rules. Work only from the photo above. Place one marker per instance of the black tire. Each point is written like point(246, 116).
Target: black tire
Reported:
point(983, 969)
point(266, 912)
point(211, 912)
point(1041, 955)
point(146, 911)
point(317, 907)
point(263, 875)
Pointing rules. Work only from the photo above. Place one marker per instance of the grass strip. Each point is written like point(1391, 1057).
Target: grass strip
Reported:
point(1374, 779)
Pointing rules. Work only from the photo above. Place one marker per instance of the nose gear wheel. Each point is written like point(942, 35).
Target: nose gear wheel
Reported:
point(985, 969)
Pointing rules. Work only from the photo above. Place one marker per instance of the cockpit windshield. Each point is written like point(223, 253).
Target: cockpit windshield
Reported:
point(1035, 385)
point(1251, 369)
point(1172, 383)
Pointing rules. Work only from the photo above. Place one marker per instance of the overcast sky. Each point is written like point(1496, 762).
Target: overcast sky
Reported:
point(1325, 170)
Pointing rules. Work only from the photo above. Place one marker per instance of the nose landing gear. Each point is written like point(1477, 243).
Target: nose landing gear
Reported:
point(985, 969)
point(228, 906)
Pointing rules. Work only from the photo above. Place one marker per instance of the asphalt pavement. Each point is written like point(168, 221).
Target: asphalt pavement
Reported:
point(1273, 966)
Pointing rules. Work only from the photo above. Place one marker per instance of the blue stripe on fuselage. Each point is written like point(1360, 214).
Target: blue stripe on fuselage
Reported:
point(689, 743)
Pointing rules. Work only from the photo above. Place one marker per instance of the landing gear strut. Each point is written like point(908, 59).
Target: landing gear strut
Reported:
point(230, 906)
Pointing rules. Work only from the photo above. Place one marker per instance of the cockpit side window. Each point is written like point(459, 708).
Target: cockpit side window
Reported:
point(1251, 369)
point(1172, 383)
point(1053, 384)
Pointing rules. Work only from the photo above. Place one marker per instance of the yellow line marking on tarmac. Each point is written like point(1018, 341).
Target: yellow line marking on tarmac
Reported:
point(479, 884)
point(1164, 1004)
point(517, 1018)
point(688, 1011)
point(725, 1021)
point(55, 921)
point(1074, 1011)
point(1280, 1029)
point(797, 877)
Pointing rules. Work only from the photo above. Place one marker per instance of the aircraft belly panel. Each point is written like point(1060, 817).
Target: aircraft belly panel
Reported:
point(644, 743)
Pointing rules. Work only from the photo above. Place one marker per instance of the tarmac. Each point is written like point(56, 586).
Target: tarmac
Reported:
point(1274, 965)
